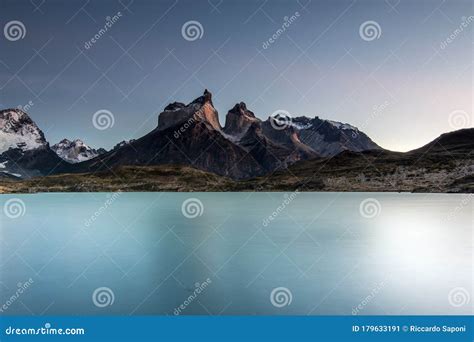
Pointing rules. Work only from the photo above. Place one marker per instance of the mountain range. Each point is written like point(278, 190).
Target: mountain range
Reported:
point(247, 153)
point(75, 151)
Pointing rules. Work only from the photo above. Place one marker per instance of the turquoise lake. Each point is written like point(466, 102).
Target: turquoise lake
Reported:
point(236, 254)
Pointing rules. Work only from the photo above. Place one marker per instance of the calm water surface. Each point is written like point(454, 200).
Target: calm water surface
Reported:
point(404, 254)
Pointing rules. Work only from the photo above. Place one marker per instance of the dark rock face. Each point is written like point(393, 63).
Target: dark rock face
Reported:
point(246, 147)
point(38, 162)
point(198, 146)
point(288, 137)
point(192, 135)
point(205, 98)
point(174, 106)
point(189, 135)
point(199, 109)
point(460, 141)
point(238, 120)
point(271, 155)
point(325, 138)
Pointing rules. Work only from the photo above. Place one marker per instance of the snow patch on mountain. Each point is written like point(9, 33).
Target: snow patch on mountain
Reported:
point(17, 130)
point(298, 125)
point(75, 151)
point(341, 125)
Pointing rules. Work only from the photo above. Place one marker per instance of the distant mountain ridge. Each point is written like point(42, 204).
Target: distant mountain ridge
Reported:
point(244, 148)
point(446, 165)
point(24, 151)
point(75, 151)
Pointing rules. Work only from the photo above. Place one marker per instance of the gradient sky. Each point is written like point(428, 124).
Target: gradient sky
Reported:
point(400, 88)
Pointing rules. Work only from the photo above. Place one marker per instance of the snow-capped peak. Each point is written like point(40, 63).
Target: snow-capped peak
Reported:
point(300, 126)
point(75, 151)
point(341, 125)
point(17, 130)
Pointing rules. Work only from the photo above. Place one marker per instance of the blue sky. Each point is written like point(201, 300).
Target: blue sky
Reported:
point(400, 88)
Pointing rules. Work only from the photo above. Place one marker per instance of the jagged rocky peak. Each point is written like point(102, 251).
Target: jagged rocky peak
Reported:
point(123, 143)
point(199, 110)
point(174, 106)
point(18, 131)
point(75, 151)
point(239, 119)
point(205, 98)
point(303, 122)
point(329, 138)
point(241, 108)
